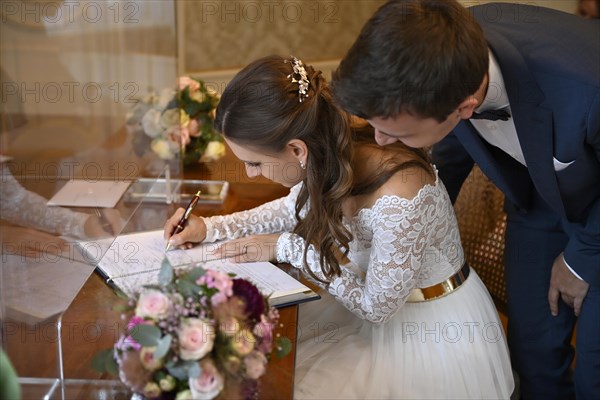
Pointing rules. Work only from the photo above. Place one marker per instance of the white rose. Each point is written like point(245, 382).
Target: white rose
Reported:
point(166, 95)
point(214, 151)
point(151, 123)
point(153, 304)
point(170, 117)
point(210, 382)
point(196, 339)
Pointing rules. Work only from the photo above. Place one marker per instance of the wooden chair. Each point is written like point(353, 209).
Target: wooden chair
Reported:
point(482, 225)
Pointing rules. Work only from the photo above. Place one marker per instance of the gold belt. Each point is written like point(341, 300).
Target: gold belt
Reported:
point(441, 289)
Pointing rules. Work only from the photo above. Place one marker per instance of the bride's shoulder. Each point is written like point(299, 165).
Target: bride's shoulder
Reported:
point(407, 183)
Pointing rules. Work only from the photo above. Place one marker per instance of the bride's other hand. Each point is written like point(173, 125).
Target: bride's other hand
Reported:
point(249, 249)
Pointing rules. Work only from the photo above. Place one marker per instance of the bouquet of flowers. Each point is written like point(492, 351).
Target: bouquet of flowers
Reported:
point(178, 122)
point(191, 334)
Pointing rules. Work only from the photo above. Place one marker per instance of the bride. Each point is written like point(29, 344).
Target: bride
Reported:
point(401, 314)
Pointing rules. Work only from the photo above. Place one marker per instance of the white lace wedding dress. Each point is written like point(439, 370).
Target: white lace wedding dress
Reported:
point(363, 340)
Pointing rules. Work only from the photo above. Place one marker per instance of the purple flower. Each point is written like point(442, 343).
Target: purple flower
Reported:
point(133, 322)
point(253, 299)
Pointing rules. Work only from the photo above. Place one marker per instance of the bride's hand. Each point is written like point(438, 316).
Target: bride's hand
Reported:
point(249, 249)
point(194, 231)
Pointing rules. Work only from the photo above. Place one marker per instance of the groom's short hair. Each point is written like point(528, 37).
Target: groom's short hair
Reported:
point(423, 57)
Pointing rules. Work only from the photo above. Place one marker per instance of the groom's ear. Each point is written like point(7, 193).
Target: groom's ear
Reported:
point(467, 107)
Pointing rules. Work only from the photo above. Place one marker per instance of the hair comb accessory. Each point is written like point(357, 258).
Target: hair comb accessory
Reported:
point(302, 81)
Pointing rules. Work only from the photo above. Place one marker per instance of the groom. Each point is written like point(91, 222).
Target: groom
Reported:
point(515, 89)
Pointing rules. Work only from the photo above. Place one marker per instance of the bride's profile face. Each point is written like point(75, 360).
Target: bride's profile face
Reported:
point(282, 168)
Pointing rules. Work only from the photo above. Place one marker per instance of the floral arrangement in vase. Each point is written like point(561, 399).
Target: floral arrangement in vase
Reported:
point(178, 122)
point(193, 333)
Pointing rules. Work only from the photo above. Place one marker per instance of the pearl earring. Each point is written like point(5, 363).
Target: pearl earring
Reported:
point(302, 164)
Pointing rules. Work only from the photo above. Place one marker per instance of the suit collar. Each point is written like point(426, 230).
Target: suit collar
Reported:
point(533, 122)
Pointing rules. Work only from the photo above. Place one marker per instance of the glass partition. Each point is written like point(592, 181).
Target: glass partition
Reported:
point(72, 75)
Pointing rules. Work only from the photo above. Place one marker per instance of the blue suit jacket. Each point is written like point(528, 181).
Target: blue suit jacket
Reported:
point(550, 62)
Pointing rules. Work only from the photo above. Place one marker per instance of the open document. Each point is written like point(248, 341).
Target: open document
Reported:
point(134, 260)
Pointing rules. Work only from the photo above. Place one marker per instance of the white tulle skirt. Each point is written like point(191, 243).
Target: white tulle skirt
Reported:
point(448, 348)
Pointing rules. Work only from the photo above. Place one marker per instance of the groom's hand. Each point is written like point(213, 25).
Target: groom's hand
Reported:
point(567, 286)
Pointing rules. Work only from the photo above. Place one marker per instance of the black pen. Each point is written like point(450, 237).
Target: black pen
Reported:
point(104, 222)
point(184, 218)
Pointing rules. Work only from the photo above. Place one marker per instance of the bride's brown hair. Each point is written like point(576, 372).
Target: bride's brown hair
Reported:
point(260, 109)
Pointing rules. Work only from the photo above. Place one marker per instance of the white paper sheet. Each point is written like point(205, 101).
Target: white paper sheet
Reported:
point(83, 193)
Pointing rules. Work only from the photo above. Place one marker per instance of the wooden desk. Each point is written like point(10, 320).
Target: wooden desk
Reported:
point(90, 324)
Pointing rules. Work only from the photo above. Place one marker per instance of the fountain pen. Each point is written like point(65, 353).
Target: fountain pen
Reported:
point(184, 217)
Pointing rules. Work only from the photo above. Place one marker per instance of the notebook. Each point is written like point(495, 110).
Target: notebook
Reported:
point(134, 260)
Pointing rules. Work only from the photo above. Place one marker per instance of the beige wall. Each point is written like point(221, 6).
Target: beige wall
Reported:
point(230, 34)
point(226, 35)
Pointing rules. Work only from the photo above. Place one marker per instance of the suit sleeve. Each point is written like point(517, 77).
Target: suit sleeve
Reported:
point(453, 162)
point(583, 249)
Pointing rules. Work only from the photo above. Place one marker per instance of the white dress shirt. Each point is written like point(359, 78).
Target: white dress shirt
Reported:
point(501, 134)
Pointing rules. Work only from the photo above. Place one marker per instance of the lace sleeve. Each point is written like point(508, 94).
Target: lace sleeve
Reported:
point(22, 207)
point(290, 249)
point(402, 230)
point(275, 216)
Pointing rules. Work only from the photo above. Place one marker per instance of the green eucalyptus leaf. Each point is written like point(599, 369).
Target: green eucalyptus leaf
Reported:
point(122, 308)
point(164, 344)
point(194, 370)
point(100, 360)
point(165, 276)
point(187, 288)
point(184, 369)
point(146, 335)
point(194, 274)
point(178, 371)
point(111, 365)
point(283, 346)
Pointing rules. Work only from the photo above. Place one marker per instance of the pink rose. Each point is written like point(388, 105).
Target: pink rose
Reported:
point(196, 338)
point(153, 304)
point(210, 382)
point(256, 364)
point(185, 81)
point(194, 128)
point(264, 331)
